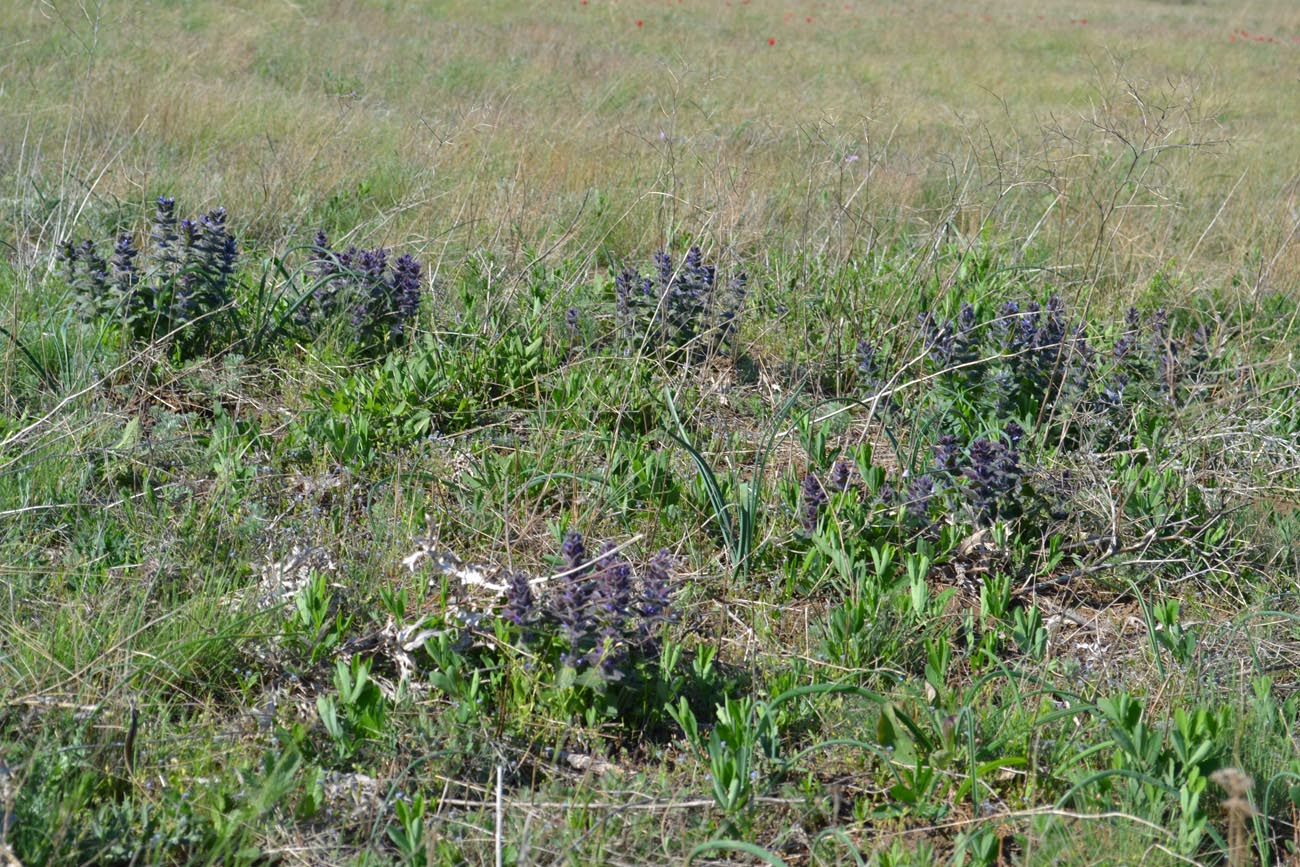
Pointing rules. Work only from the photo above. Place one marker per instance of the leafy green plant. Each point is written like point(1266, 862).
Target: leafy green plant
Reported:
point(408, 834)
point(981, 847)
point(435, 387)
point(1163, 772)
point(319, 626)
point(731, 747)
point(357, 713)
point(1166, 631)
point(1028, 631)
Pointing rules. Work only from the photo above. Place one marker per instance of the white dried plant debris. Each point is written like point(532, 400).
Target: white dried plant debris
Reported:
point(586, 763)
point(427, 553)
point(475, 596)
point(285, 577)
point(394, 645)
point(310, 486)
point(8, 795)
point(352, 797)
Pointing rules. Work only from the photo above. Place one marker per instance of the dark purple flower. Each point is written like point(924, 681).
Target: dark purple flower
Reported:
point(406, 290)
point(164, 235)
point(1127, 343)
point(1007, 321)
point(916, 500)
point(1024, 337)
point(812, 502)
point(570, 606)
point(216, 250)
point(1112, 394)
point(93, 266)
point(953, 344)
point(841, 476)
point(613, 586)
point(88, 273)
point(68, 257)
point(664, 269)
point(866, 352)
point(966, 319)
point(1160, 324)
point(625, 285)
point(125, 272)
point(936, 339)
point(520, 603)
point(948, 458)
point(993, 475)
point(573, 551)
point(373, 263)
point(124, 279)
point(697, 279)
point(189, 233)
point(675, 307)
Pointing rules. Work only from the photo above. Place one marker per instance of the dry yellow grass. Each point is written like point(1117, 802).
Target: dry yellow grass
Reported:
point(1156, 133)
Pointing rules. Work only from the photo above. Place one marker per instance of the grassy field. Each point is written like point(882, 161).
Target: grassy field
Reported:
point(701, 432)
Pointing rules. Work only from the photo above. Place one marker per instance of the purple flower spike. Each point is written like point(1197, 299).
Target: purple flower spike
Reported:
point(812, 502)
point(520, 602)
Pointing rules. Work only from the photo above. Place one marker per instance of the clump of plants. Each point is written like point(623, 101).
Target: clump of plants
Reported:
point(373, 299)
point(592, 640)
point(600, 615)
point(983, 481)
point(1150, 356)
point(680, 307)
point(179, 283)
point(1039, 365)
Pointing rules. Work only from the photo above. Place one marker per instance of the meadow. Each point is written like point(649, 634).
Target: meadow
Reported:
point(628, 432)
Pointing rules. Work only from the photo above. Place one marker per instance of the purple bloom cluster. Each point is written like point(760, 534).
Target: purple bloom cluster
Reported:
point(380, 302)
point(868, 364)
point(124, 271)
point(988, 474)
point(948, 456)
point(913, 501)
point(521, 604)
point(1151, 352)
point(191, 264)
point(954, 344)
point(87, 273)
point(573, 552)
point(812, 502)
point(993, 477)
point(916, 499)
point(841, 476)
point(679, 306)
point(207, 255)
point(163, 234)
point(989, 471)
point(603, 610)
point(1045, 350)
point(872, 377)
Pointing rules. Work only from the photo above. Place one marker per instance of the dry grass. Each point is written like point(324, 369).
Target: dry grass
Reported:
point(1142, 140)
